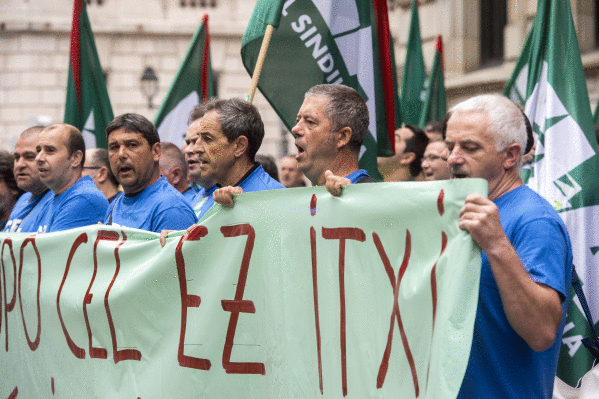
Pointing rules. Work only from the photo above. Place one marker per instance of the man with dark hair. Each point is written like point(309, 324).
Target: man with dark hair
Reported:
point(60, 158)
point(526, 258)
point(230, 134)
point(174, 167)
point(36, 201)
point(148, 201)
point(9, 191)
point(405, 165)
point(97, 166)
point(433, 129)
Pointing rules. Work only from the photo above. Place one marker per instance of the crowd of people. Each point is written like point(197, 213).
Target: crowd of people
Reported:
point(52, 183)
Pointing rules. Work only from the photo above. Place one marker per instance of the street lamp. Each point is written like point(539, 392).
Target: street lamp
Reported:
point(149, 85)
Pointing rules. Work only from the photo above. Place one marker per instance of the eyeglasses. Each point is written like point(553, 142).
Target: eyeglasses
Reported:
point(432, 158)
point(91, 167)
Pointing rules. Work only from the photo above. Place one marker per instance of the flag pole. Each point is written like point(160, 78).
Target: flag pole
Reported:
point(260, 62)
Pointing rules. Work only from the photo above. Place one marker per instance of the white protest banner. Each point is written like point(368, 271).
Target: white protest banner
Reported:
point(292, 293)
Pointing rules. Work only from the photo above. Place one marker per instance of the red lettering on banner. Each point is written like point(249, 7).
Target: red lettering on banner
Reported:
point(434, 277)
point(239, 305)
point(440, 207)
point(14, 393)
point(342, 234)
point(316, 316)
point(395, 313)
point(8, 306)
point(95, 352)
point(188, 301)
point(32, 345)
point(123, 354)
point(77, 351)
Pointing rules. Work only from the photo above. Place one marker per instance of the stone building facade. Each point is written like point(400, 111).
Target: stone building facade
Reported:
point(482, 39)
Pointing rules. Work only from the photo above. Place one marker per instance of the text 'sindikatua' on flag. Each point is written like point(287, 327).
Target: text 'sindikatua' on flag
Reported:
point(550, 79)
point(414, 73)
point(317, 42)
point(435, 107)
point(87, 105)
point(194, 83)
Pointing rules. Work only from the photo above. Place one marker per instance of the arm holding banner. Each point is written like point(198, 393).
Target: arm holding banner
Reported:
point(533, 309)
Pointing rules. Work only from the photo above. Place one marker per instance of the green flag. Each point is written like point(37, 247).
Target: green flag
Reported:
point(414, 74)
point(193, 83)
point(565, 169)
point(87, 104)
point(320, 42)
point(596, 114)
point(435, 107)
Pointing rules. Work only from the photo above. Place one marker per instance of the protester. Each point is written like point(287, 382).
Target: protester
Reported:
point(9, 191)
point(60, 158)
point(434, 160)
point(527, 257)
point(231, 132)
point(97, 166)
point(269, 165)
point(36, 201)
point(203, 186)
point(433, 129)
point(405, 165)
point(148, 201)
point(290, 174)
point(174, 167)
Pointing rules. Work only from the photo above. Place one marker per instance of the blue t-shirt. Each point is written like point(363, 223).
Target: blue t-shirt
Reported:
point(357, 175)
point(27, 212)
point(501, 363)
point(257, 180)
point(82, 204)
point(157, 207)
point(189, 195)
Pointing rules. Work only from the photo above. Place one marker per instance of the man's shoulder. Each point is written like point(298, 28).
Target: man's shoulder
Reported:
point(83, 191)
point(259, 180)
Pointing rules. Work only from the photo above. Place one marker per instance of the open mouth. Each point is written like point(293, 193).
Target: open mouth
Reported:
point(300, 150)
point(125, 169)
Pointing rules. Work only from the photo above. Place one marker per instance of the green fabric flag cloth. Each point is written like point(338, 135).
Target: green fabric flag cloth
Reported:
point(435, 107)
point(368, 295)
point(193, 84)
point(87, 104)
point(596, 114)
point(322, 42)
point(414, 74)
point(549, 78)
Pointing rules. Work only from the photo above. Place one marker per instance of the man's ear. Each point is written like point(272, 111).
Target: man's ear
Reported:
point(102, 174)
point(343, 137)
point(156, 152)
point(512, 156)
point(241, 146)
point(76, 159)
point(407, 158)
point(177, 174)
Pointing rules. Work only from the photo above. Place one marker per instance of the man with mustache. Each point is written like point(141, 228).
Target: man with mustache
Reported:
point(37, 198)
point(60, 157)
point(148, 201)
point(526, 258)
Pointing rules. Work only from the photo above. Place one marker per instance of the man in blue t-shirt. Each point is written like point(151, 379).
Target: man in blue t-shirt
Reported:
point(60, 158)
point(148, 201)
point(230, 134)
point(36, 201)
point(526, 259)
